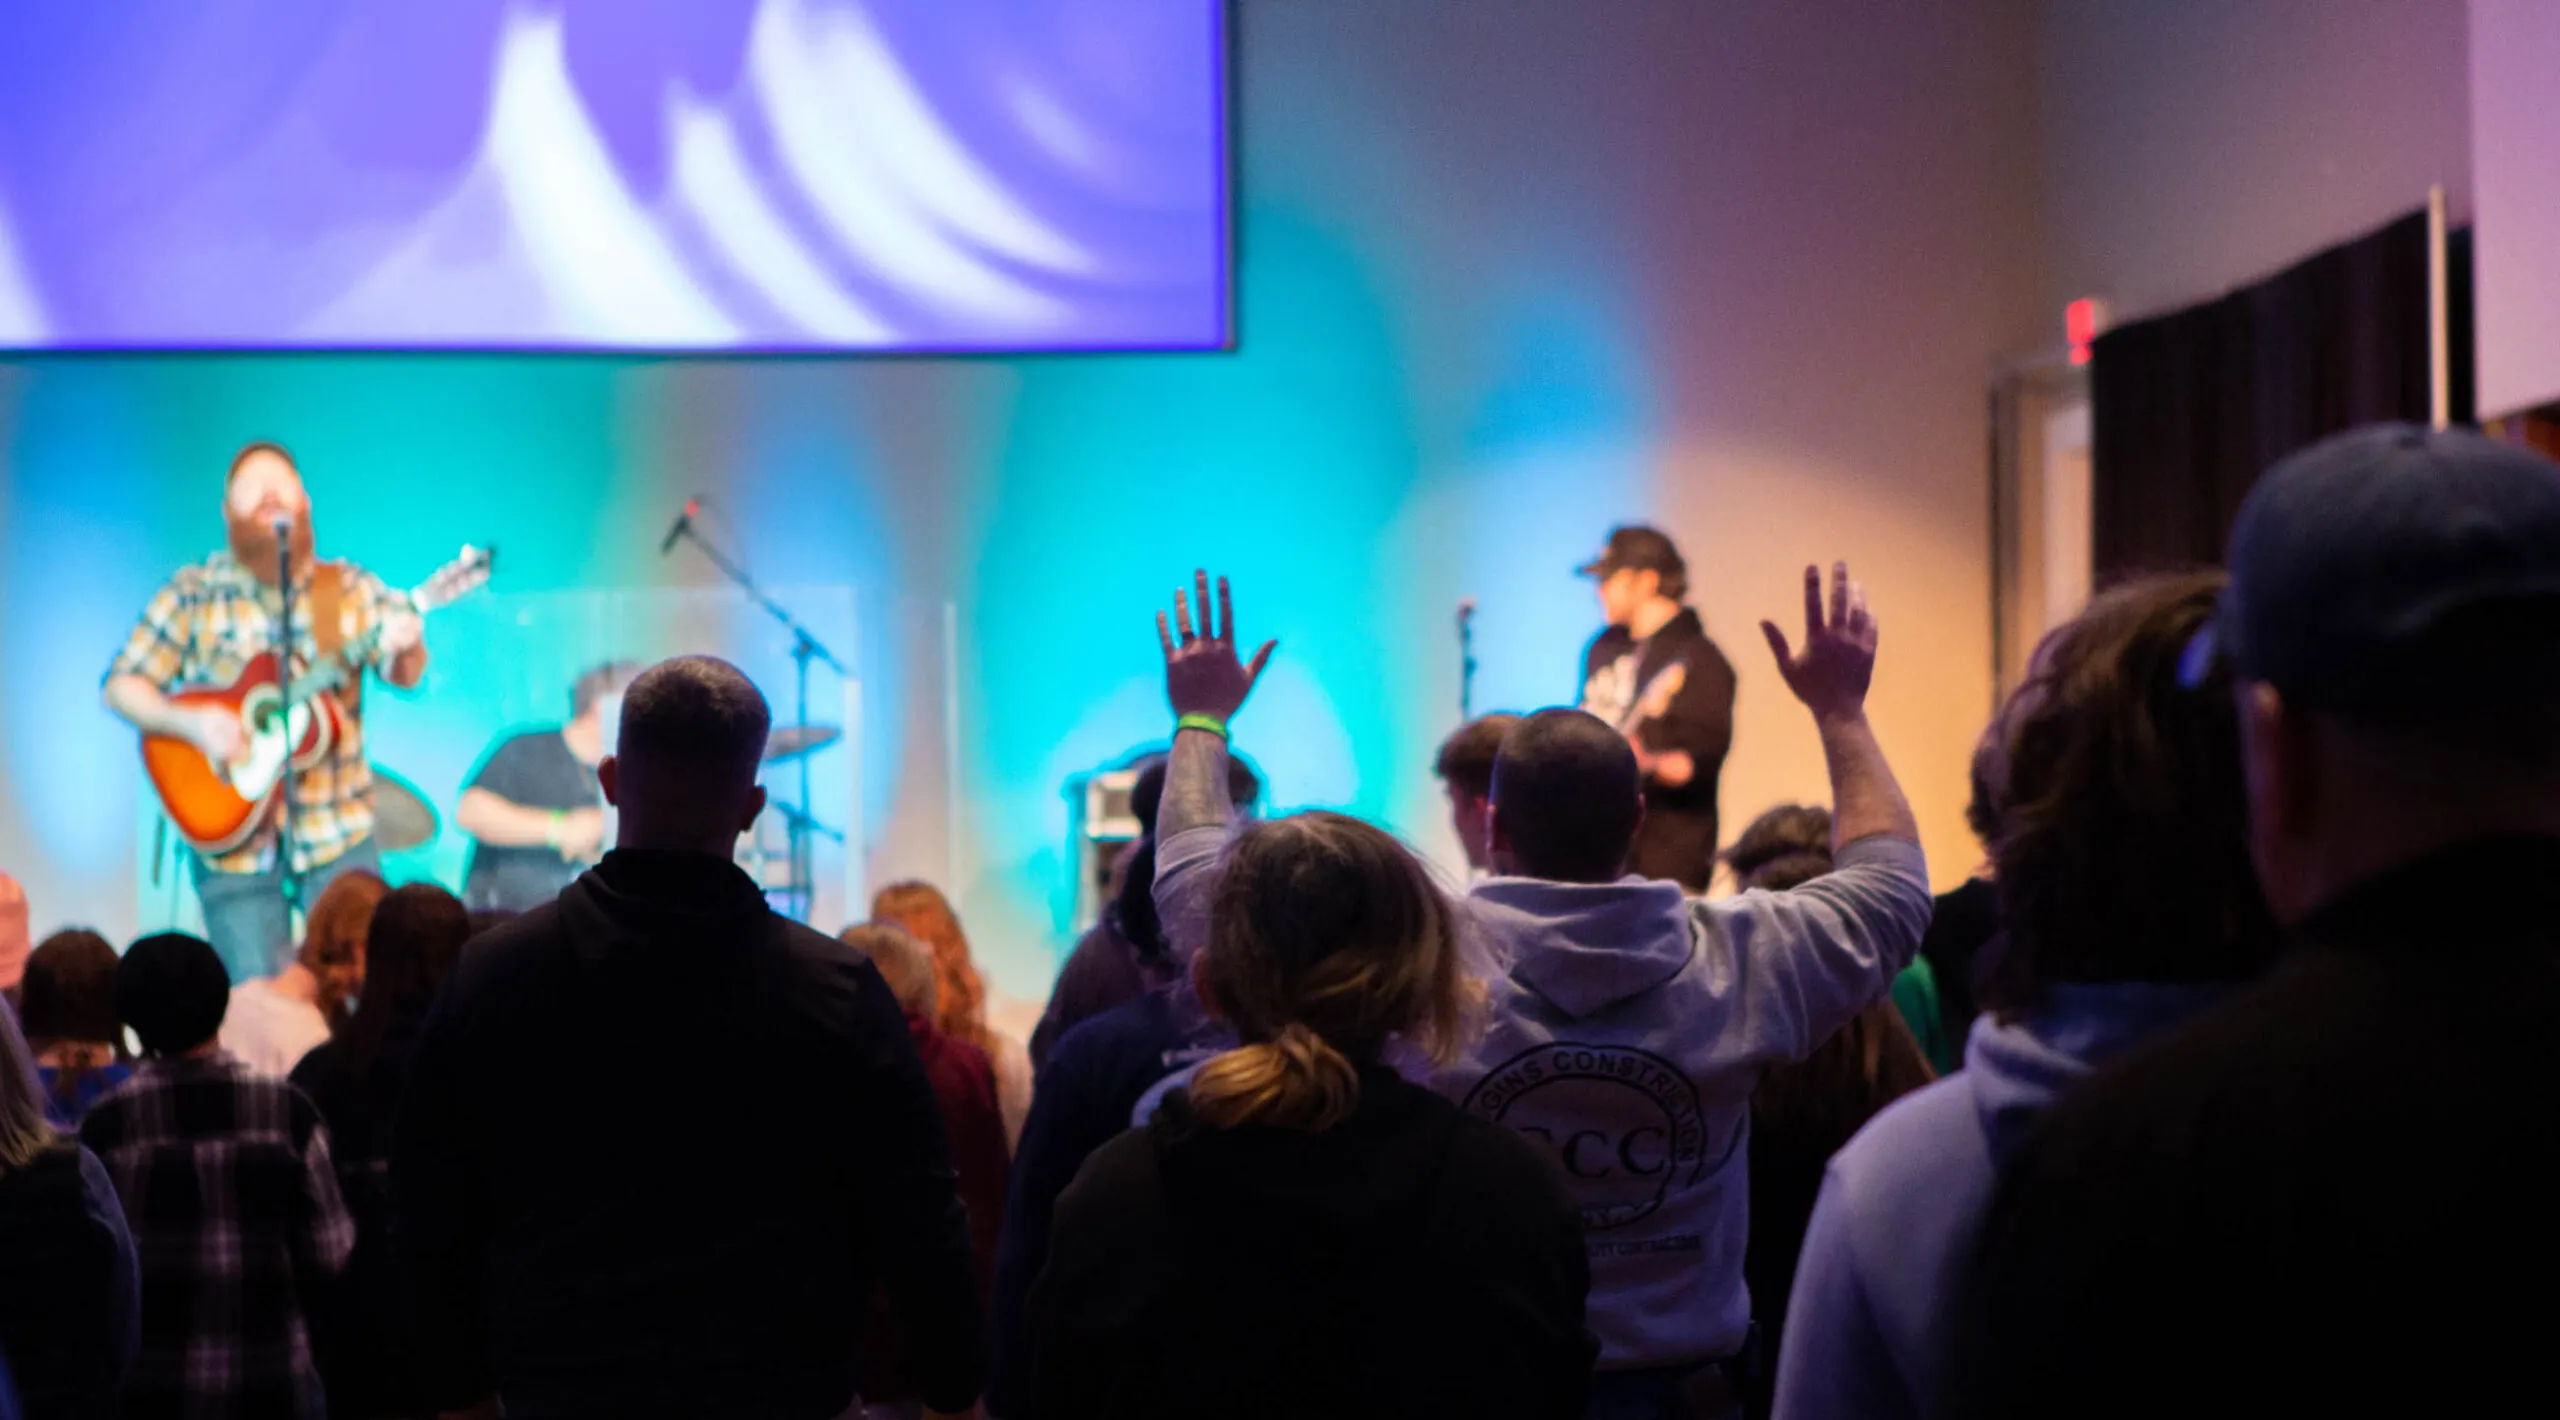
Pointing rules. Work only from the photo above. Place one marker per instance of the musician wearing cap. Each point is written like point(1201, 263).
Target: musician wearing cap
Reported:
point(535, 813)
point(209, 626)
point(1654, 675)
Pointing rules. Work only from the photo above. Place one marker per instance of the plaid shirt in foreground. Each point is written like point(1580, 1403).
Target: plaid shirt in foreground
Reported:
point(226, 1183)
point(203, 629)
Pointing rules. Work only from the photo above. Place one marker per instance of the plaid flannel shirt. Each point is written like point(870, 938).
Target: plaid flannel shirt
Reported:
point(204, 627)
point(226, 1182)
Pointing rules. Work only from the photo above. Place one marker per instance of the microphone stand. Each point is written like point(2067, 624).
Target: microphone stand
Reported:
point(798, 824)
point(1466, 660)
point(288, 880)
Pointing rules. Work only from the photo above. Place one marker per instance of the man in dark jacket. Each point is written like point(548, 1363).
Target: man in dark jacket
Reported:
point(599, 1219)
point(2332, 1195)
point(1655, 677)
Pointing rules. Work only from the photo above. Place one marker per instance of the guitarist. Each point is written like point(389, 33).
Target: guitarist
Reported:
point(1654, 675)
point(204, 627)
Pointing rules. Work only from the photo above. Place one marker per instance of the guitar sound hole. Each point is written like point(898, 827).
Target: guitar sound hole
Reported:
point(262, 720)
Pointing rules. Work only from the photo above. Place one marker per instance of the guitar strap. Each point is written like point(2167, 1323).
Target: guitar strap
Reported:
point(329, 628)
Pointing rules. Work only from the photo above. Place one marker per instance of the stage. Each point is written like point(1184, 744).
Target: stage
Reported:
point(1449, 361)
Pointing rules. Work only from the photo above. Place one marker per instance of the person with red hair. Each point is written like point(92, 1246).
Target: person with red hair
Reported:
point(276, 1020)
point(926, 914)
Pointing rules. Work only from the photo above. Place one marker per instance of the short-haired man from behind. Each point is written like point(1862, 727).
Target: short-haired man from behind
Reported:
point(599, 1222)
point(226, 1181)
point(1631, 1022)
point(1465, 768)
point(2331, 1194)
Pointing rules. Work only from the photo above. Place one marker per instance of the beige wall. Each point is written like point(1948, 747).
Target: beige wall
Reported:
point(2193, 145)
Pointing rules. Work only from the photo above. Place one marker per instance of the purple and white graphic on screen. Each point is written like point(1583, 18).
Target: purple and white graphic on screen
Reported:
point(648, 174)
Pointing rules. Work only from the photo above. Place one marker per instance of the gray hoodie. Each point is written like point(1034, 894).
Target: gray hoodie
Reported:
point(1625, 1029)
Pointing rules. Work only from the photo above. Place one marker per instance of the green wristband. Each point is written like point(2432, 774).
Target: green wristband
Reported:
point(1210, 723)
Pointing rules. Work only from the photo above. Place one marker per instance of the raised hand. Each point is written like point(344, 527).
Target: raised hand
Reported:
point(1202, 675)
point(1838, 661)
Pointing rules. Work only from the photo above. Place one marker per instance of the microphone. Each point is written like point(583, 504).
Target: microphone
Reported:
point(1466, 610)
point(683, 525)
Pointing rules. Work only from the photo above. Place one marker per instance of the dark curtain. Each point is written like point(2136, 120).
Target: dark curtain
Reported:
point(2186, 409)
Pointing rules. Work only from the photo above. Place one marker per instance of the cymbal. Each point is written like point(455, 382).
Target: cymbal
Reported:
point(793, 741)
point(402, 817)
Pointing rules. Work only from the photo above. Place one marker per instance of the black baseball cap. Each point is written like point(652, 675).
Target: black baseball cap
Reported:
point(1635, 545)
point(2391, 570)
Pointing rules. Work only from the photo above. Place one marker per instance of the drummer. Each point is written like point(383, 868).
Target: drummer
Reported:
point(533, 809)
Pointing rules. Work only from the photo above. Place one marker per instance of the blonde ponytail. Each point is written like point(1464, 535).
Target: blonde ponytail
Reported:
point(1295, 1080)
point(1327, 939)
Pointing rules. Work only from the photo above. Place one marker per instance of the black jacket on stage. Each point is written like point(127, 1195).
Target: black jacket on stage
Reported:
point(1679, 837)
point(659, 1144)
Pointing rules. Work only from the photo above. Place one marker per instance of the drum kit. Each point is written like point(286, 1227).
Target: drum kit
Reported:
point(402, 817)
point(784, 868)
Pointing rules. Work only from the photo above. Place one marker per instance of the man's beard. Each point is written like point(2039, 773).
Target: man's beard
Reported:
point(253, 541)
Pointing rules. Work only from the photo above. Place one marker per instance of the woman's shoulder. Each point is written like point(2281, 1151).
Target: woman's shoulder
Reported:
point(319, 1065)
point(1919, 1155)
point(53, 1177)
point(1122, 1172)
point(1115, 1204)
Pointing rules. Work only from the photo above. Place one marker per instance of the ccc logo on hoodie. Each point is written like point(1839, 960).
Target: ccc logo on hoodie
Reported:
point(1626, 1124)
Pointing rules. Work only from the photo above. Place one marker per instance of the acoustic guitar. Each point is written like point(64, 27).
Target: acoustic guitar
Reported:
point(217, 807)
